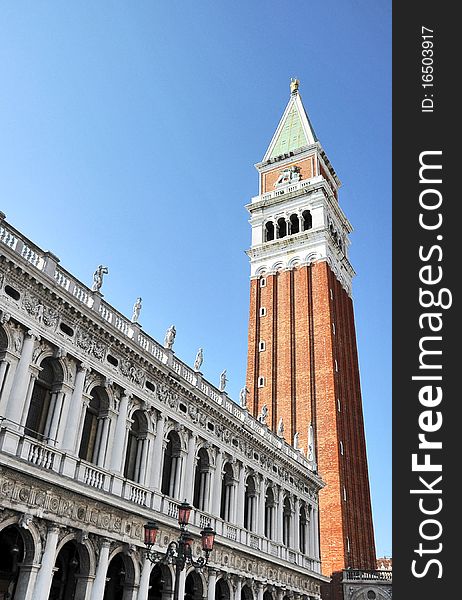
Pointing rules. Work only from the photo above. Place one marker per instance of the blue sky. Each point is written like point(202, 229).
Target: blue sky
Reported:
point(128, 135)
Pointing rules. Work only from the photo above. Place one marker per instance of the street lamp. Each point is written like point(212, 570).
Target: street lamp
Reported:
point(179, 552)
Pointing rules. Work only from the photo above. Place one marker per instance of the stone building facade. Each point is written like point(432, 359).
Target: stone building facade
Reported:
point(102, 428)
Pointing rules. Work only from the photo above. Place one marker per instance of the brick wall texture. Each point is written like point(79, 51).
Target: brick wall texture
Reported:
point(311, 375)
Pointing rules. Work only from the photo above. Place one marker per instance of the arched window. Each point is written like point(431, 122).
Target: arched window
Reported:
point(302, 529)
point(269, 231)
point(286, 522)
point(135, 458)
point(307, 220)
point(282, 228)
point(269, 513)
point(93, 442)
point(46, 402)
point(250, 504)
point(294, 224)
point(202, 481)
point(172, 466)
point(227, 488)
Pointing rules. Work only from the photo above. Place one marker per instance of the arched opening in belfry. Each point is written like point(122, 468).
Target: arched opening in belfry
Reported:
point(307, 220)
point(269, 231)
point(282, 227)
point(160, 583)
point(294, 224)
point(193, 589)
point(44, 408)
point(11, 556)
point(202, 480)
point(135, 458)
point(171, 469)
point(92, 445)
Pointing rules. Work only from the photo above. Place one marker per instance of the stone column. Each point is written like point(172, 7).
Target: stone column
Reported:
point(3, 367)
point(316, 533)
point(154, 481)
point(52, 433)
point(99, 583)
point(179, 584)
point(21, 380)
point(178, 487)
point(30, 389)
point(149, 443)
point(45, 574)
point(296, 525)
point(280, 517)
point(188, 487)
point(217, 480)
point(115, 463)
point(212, 584)
point(26, 581)
point(5, 385)
point(240, 497)
point(73, 416)
point(83, 411)
point(238, 590)
point(103, 441)
point(259, 590)
point(143, 590)
point(232, 502)
point(261, 508)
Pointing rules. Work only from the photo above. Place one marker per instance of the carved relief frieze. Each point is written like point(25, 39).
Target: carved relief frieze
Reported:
point(89, 344)
point(68, 508)
point(35, 307)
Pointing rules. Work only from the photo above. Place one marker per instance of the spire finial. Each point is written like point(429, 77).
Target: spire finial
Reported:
point(294, 83)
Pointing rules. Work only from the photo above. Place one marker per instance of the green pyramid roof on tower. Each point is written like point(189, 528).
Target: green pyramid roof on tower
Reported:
point(294, 130)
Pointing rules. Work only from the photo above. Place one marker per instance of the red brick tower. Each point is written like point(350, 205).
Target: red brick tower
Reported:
point(302, 357)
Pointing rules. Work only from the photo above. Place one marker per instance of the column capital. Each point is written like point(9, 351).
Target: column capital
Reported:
point(104, 542)
point(33, 335)
point(53, 528)
point(83, 368)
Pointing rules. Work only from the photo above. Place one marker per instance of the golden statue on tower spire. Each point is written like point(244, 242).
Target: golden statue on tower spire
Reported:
point(294, 83)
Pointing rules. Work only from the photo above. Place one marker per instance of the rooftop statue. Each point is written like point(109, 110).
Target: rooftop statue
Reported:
point(98, 278)
point(136, 310)
point(170, 337)
point(199, 359)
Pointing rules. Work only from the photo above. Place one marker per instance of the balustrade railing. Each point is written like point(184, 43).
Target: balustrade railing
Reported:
point(41, 456)
point(94, 478)
point(367, 575)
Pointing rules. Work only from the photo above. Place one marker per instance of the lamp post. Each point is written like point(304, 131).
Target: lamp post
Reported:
point(179, 552)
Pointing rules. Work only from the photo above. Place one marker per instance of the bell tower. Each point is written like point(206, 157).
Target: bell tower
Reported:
point(302, 356)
